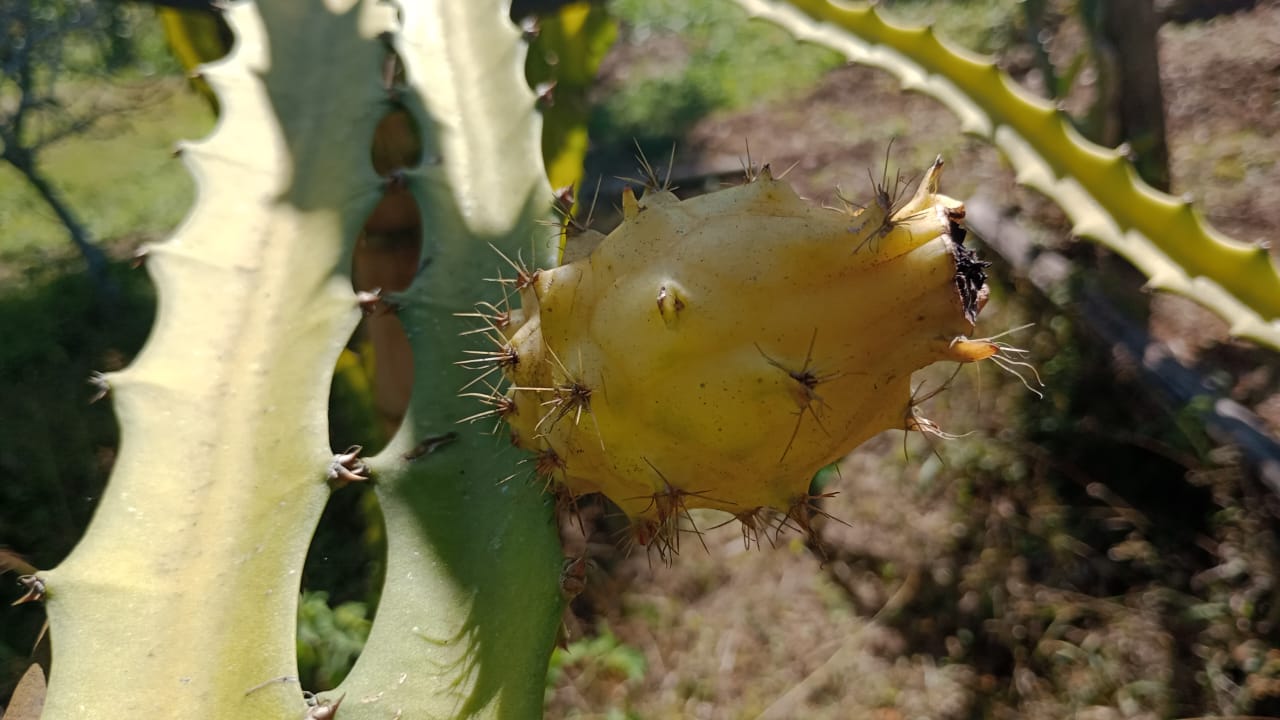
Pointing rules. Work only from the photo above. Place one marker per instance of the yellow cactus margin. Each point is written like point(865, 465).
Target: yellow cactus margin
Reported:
point(717, 352)
point(1163, 236)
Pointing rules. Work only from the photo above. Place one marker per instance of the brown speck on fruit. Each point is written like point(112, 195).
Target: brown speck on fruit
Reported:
point(670, 303)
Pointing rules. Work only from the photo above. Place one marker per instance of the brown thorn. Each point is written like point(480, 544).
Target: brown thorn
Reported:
point(786, 172)
point(505, 357)
point(694, 530)
point(591, 212)
point(572, 397)
point(807, 501)
point(529, 28)
point(325, 709)
point(501, 343)
point(748, 523)
point(35, 590)
point(497, 320)
point(809, 381)
point(567, 502)
point(100, 385)
point(573, 577)
point(488, 332)
point(547, 463)
point(670, 505)
point(524, 276)
point(889, 201)
point(748, 167)
point(650, 180)
point(500, 405)
point(370, 302)
point(913, 421)
point(647, 534)
point(480, 377)
point(546, 94)
point(346, 467)
point(570, 222)
point(562, 201)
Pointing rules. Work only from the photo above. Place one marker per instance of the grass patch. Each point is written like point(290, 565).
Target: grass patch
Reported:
point(714, 58)
point(120, 177)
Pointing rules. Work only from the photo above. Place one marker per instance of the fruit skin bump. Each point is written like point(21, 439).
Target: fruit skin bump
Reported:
point(717, 352)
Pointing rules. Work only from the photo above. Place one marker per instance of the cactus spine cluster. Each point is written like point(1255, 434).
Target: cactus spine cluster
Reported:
point(717, 352)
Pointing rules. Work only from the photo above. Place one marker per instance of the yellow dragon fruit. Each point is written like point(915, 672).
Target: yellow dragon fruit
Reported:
point(717, 352)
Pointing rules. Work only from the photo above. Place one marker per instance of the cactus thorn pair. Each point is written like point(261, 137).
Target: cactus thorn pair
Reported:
point(347, 467)
point(35, 589)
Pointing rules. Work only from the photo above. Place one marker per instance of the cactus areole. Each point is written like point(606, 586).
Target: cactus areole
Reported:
point(717, 352)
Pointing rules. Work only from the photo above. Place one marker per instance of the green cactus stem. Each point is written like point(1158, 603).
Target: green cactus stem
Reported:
point(181, 599)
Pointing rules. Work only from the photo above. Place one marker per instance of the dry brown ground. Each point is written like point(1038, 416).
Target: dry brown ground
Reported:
point(1072, 558)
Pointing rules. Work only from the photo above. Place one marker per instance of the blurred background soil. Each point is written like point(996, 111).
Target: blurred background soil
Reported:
point(1088, 554)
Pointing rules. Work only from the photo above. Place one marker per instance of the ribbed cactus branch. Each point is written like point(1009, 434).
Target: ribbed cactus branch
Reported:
point(182, 596)
point(471, 603)
point(181, 600)
point(1163, 236)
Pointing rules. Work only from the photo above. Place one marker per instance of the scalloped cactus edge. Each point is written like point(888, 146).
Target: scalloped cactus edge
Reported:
point(181, 598)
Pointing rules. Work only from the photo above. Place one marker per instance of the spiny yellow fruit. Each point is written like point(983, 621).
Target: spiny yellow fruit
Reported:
point(717, 352)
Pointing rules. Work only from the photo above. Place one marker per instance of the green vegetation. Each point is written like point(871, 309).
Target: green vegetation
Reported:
point(600, 654)
point(713, 59)
point(600, 660)
point(329, 639)
point(987, 26)
point(120, 176)
point(58, 448)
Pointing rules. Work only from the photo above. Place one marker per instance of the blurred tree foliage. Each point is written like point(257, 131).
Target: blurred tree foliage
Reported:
point(47, 48)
